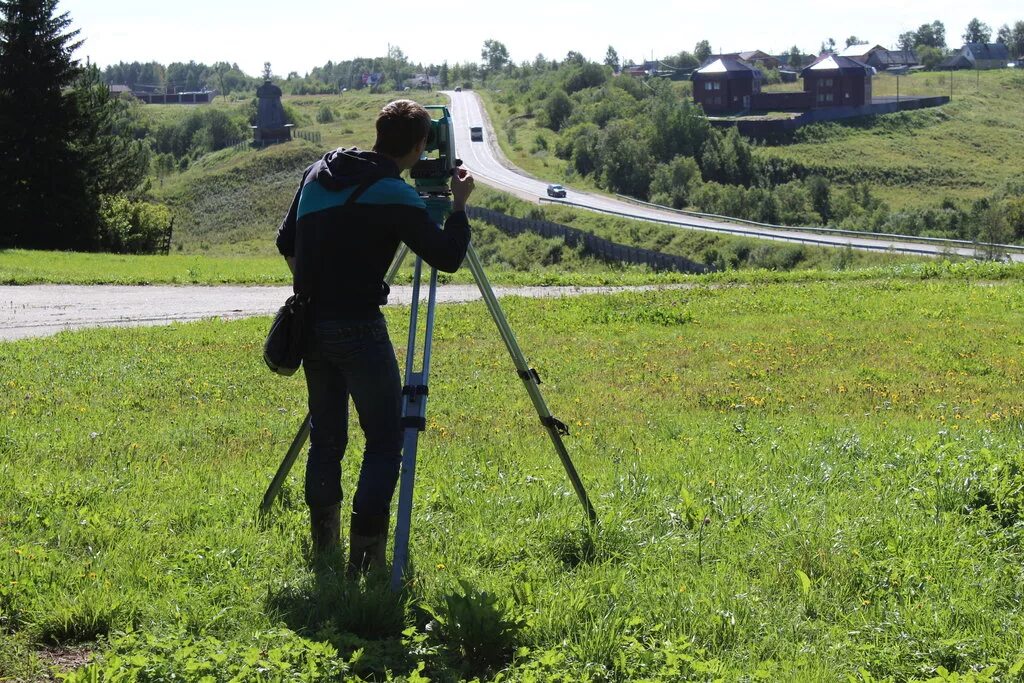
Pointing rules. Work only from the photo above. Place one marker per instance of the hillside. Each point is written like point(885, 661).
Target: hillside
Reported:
point(962, 151)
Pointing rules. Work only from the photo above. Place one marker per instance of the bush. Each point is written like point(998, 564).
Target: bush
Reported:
point(557, 108)
point(129, 227)
point(325, 114)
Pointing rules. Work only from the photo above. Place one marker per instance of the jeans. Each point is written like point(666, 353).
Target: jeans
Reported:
point(353, 358)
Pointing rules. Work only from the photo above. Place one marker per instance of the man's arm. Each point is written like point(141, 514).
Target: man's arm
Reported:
point(442, 249)
point(286, 232)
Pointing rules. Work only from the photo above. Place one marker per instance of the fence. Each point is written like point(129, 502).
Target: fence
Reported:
point(165, 242)
point(598, 247)
point(308, 135)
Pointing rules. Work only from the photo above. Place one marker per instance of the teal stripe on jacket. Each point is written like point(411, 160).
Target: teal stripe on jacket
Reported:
point(315, 197)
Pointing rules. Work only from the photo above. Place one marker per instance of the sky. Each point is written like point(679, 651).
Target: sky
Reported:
point(298, 37)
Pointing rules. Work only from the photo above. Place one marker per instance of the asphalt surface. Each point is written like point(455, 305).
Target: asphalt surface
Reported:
point(490, 166)
point(42, 310)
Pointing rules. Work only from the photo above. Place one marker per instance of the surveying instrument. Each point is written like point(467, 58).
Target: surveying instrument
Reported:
point(431, 175)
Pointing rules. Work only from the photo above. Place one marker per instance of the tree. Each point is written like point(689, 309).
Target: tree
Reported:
point(907, 41)
point(702, 51)
point(1016, 44)
point(674, 183)
point(930, 57)
point(681, 127)
point(442, 74)
point(267, 73)
point(828, 45)
point(37, 125)
point(977, 32)
point(494, 55)
point(574, 57)
point(854, 40)
point(611, 58)
point(1004, 35)
point(932, 35)
point(626, 164)
point(796, 57)
point(557, 108)
point(821, 196)
point(67, 143)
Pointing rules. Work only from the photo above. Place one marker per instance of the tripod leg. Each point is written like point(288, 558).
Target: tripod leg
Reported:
point(556, 429)
point(300, 437)
point(286, 465)
point(414, 421)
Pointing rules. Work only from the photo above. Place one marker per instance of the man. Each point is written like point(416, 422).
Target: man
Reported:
point(339, 237)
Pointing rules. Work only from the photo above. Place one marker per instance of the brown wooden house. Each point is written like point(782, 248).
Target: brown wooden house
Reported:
point(836, 81)
point(725, 84)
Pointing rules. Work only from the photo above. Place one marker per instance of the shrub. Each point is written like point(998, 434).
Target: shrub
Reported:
point(130, 227)
point(325, 114)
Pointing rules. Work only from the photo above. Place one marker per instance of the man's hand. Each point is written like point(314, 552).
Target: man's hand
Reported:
point(462, 187)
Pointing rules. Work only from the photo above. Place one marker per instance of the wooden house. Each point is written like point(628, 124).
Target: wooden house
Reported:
point(836, 81)
point(725, 84)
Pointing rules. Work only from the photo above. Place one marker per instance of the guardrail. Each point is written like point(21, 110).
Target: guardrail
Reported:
point(834, 231)
point(753, 233)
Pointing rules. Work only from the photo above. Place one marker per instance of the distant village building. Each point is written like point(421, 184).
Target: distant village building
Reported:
point(759, 59)
point(837, 81)
point(726, 84)
point(153, 94)
point(978, 56)
point(881, 58)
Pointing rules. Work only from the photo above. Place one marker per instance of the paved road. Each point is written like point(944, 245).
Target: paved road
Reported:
point(487, 163)
point(41, 310)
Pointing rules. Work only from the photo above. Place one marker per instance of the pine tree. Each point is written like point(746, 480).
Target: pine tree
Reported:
point(36, 123)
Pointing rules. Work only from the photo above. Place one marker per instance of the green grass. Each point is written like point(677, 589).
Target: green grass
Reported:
point(961, 151)
point(796, 481)
point(25, 267)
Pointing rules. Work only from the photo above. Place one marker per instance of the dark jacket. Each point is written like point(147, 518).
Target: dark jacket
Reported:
point(343, 248)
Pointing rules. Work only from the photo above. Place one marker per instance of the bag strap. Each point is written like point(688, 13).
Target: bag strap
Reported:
point(363, 187)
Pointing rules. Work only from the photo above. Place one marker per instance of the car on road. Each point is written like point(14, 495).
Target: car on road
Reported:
point(476, 133)
point(458, 88)
point(556, 191)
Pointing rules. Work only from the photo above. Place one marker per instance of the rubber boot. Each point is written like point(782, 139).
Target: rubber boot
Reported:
point(325, 527)
point(367, 551)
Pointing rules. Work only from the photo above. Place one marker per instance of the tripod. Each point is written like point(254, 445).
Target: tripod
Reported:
point(414, 405)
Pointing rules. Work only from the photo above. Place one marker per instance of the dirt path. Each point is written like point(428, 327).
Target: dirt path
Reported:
point(42, 310)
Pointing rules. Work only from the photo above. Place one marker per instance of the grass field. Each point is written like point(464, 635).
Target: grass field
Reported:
point(796, 481)
point(961, 151)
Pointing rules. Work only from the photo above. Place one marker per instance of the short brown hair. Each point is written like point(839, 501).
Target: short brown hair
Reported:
point(401, 125)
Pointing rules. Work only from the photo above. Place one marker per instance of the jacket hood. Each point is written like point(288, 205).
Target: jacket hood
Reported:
point(346, 167)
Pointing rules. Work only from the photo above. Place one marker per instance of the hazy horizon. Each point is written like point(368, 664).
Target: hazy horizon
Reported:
point(259, 31)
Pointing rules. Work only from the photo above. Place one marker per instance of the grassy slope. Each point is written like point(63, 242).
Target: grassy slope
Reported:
point(797, 479)
point(232, 201)
point(962, 151)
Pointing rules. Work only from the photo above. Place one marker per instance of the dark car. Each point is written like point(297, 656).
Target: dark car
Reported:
point(556, 191)
point(458, 88)
point(476, 133)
